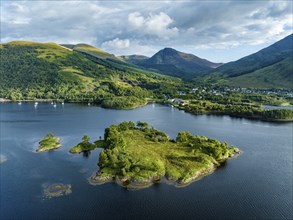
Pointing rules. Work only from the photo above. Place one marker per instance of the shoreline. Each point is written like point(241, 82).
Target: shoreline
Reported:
point(259, 118)
point(158, 102)
point(2, 100)
point(130, 184)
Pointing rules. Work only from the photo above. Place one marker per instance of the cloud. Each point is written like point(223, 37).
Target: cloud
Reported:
point(154, 24)
point(136, 20)
point(116, 44)
point(127, 47)
point(146, 26)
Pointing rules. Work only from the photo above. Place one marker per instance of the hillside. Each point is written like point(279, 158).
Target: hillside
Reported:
point(174, 63)
point(263, 58)
point(32, 70)
point(270, 67)
point(134, 59)
point(96, 52)
point(124, 63)
point(278, 75)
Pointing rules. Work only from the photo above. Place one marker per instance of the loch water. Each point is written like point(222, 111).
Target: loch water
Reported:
point(255, 185)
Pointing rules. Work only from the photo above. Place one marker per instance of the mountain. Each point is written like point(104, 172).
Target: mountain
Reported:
point(110, 60)
point(270, 67)
point(134, 59)
point(96, 52)
point(80, 72)
point(174, 63)
point(277, 75)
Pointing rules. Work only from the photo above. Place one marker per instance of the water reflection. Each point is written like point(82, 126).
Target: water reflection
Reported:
point(86, 154)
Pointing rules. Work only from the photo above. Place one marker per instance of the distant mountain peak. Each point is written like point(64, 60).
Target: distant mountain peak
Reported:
point(169, 49)
point(176, 63)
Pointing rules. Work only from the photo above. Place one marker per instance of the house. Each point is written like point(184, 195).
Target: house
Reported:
point(178, 101)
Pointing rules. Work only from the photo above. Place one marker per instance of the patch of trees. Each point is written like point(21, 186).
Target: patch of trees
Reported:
point(211, 147)
point(248, 111)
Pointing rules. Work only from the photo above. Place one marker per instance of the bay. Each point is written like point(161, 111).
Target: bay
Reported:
point(256, 185)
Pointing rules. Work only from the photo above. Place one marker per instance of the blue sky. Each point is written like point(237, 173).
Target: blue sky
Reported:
point(220, 31)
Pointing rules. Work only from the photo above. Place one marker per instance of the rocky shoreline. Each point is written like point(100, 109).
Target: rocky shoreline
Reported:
point(134, 184)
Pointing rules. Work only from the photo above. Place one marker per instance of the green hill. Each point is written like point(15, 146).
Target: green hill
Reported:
point(50, 71)
point(278, 75)
point(263, 58)
point(270, 67)
point(134, 59)
point(175, 63)
point(96, 52)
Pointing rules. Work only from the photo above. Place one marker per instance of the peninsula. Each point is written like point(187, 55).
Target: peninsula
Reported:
point(136, 156)
point(242, 110)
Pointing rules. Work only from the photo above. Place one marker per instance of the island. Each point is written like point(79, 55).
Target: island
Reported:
point(137, 156)
point(86, 146)
point(56, 190)
point(48, 143)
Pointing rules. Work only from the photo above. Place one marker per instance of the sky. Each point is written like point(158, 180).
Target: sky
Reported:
point(220, 31)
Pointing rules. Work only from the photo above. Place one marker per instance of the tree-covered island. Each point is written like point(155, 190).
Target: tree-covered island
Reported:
point(48, 143)
point(136, 156)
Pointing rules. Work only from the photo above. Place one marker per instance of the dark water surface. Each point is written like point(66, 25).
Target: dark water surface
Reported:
point(256, 185)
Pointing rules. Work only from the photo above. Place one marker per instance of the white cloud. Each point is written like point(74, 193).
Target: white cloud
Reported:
point(116, 44)
point(139, 27)
point(135, 19)
point(20, 21)
point(159, 25)
point(14, 6)
point(154, 24)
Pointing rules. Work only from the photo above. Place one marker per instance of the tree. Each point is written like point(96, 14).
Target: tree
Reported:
point(85, 139)
point(49, 135)
point(142, 124)
point(184, 136)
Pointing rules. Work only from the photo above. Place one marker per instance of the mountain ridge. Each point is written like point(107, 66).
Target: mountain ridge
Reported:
point(31, 71)
point(265, 57)
point(270, 67)
point(171, 62)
